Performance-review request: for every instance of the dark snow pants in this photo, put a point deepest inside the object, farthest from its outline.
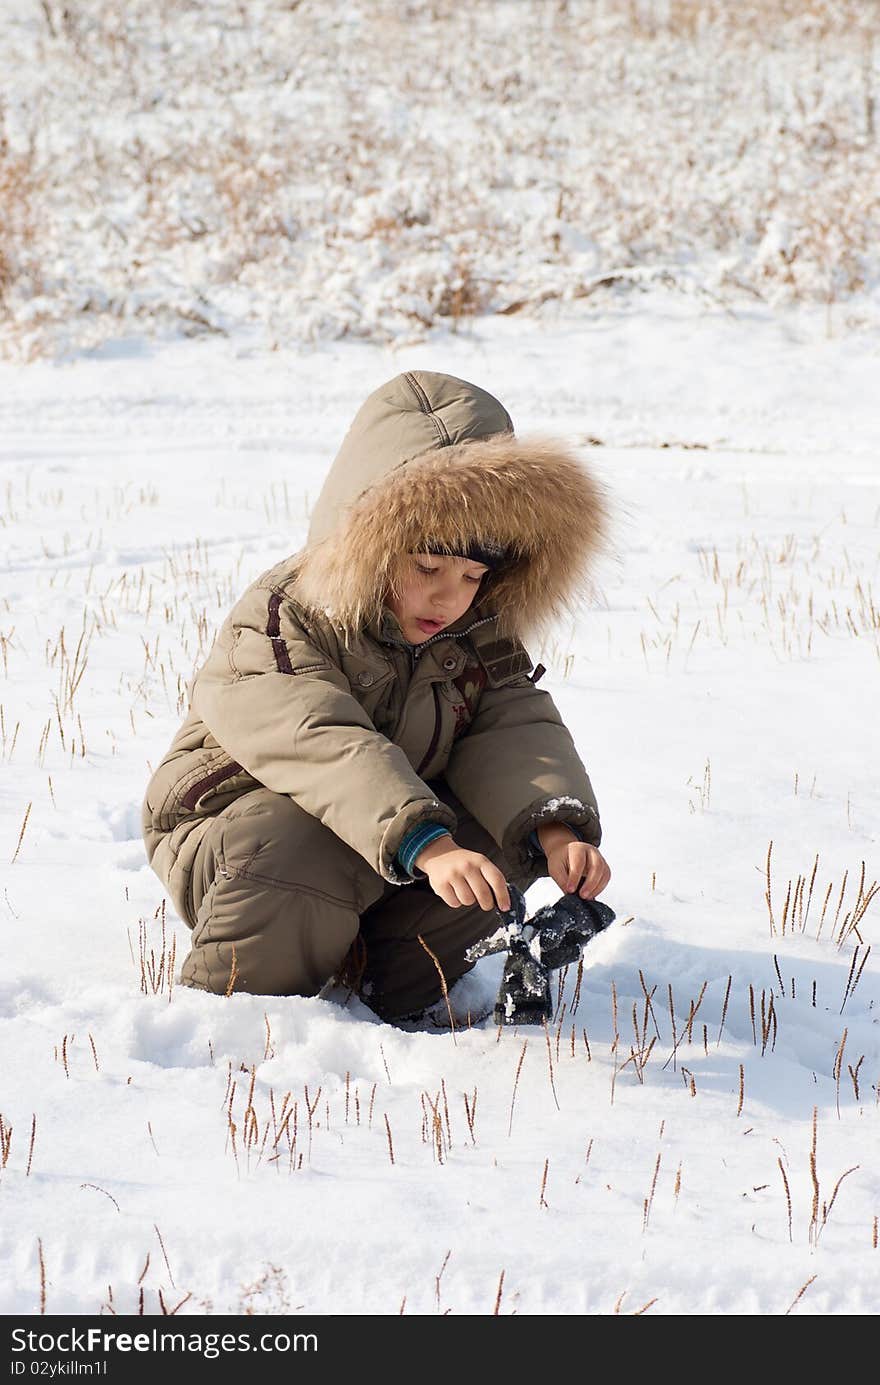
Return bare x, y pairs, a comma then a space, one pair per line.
299, 906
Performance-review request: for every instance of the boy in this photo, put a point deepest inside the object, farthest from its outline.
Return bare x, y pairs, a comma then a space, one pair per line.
366, 758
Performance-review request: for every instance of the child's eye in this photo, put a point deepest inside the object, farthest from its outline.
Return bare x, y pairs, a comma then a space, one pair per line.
428, 571
475, 580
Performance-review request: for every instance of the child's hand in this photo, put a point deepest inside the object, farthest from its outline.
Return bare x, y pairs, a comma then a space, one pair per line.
462, 877
569, 861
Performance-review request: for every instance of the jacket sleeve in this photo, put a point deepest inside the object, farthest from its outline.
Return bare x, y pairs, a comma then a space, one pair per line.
517, 767
278, 704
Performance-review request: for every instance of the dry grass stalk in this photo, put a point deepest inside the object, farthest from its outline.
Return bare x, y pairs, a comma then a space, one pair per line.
311, 1108
724, 1010
443, 986
692, 1014
854, 1075
439, 1277
836, 1071
446, 1112
470, 1111
550, 1065
30, 1157
42, 1276
165, 1255
615, 1041
233, 973
156, 969
97, 1189
787, 1194
542, 1202
5, 1142
801, 1291
742, 1089
687, 1032
778, 975
27, 813
640, 1054
170, 1312
799, 898
432, 1126
644, 1308
649, 1200
372, 1099
689, 1080
768, 893
390, 1144
497, 1309
576, 999
852, 981
649, 1008
768, 1022
515, 1082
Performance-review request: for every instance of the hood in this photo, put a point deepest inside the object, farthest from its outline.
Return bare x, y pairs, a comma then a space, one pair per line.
430, 459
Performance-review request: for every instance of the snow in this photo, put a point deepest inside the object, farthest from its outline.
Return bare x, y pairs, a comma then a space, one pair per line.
317, 171
722, 690
652, 230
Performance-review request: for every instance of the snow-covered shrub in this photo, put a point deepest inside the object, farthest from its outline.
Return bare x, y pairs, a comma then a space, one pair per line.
331, 169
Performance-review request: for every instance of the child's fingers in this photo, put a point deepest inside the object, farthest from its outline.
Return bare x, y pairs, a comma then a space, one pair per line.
498, 886
596, 880
577, 865
446, 892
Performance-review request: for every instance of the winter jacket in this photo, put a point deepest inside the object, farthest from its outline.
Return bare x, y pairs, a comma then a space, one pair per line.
310, 689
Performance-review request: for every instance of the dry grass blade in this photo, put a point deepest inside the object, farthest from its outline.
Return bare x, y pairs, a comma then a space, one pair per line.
443, 986
515, 1082
42, 1263
27, 813
233, 973
799, 1295
497, 1309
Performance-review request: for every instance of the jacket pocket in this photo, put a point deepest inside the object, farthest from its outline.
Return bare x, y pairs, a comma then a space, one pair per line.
369, 679
199, 782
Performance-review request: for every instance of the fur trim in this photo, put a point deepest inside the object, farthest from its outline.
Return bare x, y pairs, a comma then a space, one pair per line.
531, 496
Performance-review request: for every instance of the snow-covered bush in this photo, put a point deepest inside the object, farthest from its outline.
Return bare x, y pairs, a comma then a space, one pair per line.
327, 168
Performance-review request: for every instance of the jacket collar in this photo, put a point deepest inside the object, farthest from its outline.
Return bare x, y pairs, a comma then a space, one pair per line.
387, 629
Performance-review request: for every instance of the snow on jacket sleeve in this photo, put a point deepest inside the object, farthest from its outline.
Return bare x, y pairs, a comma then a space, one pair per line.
279, 705
517, 767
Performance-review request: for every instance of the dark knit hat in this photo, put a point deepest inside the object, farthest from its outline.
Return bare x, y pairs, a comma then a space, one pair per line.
486, 551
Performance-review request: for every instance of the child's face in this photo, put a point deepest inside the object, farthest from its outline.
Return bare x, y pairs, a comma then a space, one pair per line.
435, 591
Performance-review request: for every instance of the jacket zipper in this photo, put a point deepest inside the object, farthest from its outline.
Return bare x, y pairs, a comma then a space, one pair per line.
416, 652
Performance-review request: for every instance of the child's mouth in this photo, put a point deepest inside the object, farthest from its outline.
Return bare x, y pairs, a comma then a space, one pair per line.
429, 627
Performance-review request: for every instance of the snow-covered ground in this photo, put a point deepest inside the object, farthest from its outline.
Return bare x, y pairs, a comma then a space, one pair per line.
328, 168
697, 1130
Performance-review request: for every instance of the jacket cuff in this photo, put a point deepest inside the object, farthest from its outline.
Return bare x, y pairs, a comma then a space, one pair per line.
414, 842
535, 841
574, 812
428, 811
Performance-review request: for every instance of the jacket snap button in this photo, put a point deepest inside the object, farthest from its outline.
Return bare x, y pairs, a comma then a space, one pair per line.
365, 679
449, 664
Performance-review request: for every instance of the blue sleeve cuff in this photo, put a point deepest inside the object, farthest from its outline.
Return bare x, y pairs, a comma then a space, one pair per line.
416, 841
534, 841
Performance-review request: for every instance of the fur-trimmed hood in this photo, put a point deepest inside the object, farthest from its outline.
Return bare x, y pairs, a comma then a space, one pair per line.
432, 460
